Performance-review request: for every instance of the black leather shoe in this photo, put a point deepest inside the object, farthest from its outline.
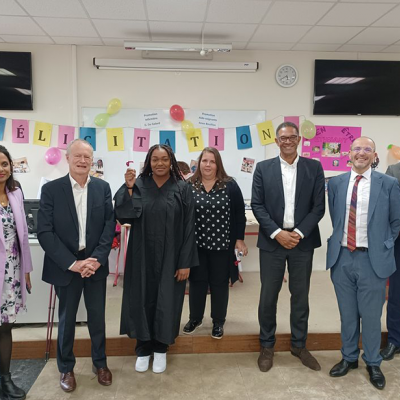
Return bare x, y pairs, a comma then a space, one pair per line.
10, 389
389, 351
217, 332
342, 368
376, 377
191, 326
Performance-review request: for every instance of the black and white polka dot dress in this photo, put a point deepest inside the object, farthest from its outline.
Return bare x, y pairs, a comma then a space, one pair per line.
212, 216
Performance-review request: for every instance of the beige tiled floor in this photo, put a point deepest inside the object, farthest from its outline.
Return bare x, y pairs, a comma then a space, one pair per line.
221, 376
242, 312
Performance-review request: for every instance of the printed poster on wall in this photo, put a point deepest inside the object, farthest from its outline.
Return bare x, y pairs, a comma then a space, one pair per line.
331, 146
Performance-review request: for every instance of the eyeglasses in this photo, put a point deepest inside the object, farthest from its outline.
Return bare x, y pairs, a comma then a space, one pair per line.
286, 139
367, 150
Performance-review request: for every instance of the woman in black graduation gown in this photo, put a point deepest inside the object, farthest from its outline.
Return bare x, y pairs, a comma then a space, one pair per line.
161, 249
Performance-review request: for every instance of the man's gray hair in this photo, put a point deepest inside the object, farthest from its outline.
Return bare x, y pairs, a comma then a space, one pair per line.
70, 144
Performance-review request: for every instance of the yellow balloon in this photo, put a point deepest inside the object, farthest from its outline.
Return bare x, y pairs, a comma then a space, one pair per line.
308, 129
114, 105
101, 120
187, 126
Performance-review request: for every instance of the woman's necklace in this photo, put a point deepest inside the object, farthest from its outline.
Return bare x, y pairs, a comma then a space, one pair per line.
4, 200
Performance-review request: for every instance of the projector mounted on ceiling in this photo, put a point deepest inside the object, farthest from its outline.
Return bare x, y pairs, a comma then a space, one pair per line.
202, 48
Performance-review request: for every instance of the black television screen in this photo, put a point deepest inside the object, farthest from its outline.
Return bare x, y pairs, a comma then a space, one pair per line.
346, 87
15, 81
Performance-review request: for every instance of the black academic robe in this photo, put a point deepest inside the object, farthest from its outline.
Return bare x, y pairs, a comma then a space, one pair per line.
162, 240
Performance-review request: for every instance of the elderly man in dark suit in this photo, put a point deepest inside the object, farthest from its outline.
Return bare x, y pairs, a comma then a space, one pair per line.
76, 229
393, 305
365, 214
288, 200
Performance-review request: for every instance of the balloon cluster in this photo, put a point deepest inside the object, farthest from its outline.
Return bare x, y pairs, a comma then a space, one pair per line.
394, 151
114, 105
178, 114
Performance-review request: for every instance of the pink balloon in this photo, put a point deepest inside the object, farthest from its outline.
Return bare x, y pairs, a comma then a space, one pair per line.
177, 113
53, 156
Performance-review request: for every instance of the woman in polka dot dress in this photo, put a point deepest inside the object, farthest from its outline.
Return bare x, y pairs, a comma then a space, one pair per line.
220, 224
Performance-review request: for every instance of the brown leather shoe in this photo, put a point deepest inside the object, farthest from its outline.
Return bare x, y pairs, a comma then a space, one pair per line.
67, 381
265, 360
104, 375
306, 358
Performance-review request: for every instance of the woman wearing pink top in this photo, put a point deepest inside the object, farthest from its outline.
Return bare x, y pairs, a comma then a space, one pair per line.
15, 266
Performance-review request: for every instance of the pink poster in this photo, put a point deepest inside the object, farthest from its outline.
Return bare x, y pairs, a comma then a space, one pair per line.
216, 138
331, 146
66, 134
20, 131
141, 140
294, 119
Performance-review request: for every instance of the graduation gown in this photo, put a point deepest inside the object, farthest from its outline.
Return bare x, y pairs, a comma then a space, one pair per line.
161, 241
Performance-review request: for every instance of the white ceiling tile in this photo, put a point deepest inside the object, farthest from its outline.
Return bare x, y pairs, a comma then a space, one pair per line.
10, 7
319, 1
391, 19
54, 8
316, 47
183, 31
370, 1
177, 10
377, 36
354, 14
113, 42
122, 29
19, 26
269, 46
364, 48
239, 45
240, 11
228, 32
27, 39
279, 33
80, 41
330, 34
297, 13
67, 26
392, 49
118, 9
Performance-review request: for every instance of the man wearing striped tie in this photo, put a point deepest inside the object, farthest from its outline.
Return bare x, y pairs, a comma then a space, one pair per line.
365, 215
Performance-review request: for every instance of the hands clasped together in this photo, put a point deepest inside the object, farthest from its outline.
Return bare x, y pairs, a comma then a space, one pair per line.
86, 268
288, 240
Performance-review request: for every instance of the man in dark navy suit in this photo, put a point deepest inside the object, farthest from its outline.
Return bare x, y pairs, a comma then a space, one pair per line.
288, 200
76, 229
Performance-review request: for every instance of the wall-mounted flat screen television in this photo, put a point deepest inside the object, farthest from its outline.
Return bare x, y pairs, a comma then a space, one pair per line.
15, 81
355, 87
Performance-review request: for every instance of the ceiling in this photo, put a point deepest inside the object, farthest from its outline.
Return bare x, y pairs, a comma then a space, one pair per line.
319, 25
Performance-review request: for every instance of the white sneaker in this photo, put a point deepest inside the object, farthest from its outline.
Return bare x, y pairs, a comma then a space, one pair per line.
159, 363
142, 364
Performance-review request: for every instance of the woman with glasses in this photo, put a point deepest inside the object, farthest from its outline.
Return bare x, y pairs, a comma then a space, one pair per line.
220, 226
161, 251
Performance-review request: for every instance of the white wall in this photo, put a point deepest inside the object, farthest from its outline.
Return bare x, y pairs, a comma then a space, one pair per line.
53, 68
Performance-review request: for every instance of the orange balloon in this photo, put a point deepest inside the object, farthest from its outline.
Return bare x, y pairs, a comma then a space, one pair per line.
394, 151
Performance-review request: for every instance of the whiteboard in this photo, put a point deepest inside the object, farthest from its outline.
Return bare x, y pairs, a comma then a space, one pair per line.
114, 161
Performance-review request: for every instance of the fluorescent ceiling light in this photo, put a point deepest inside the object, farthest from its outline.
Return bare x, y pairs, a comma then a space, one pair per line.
6, 72
174, 65
343, 81
24, 91
162, 46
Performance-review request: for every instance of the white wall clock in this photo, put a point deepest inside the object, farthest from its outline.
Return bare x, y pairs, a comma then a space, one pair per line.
286, 75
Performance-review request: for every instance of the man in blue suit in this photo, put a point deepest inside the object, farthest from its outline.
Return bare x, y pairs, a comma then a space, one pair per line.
365, 213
